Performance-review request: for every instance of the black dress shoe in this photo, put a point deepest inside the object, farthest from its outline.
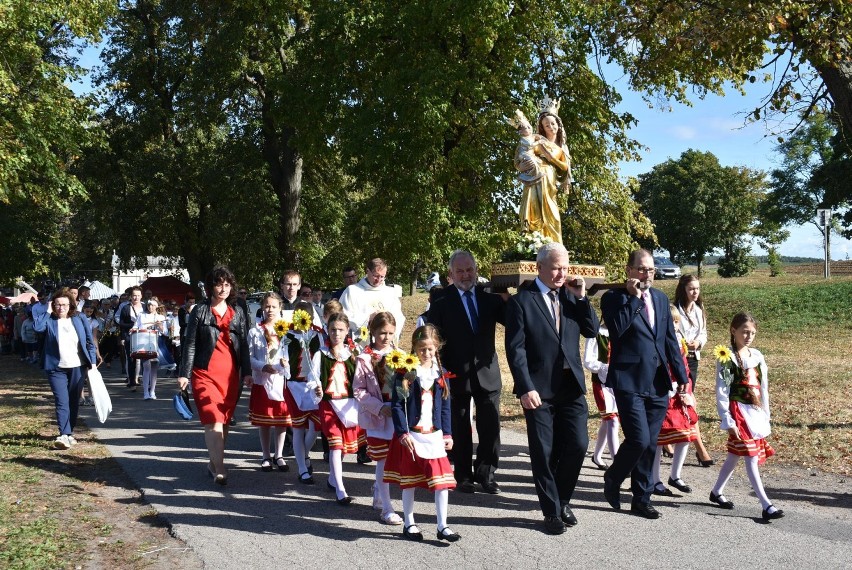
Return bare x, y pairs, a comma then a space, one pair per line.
721, 500
345, 501
680, 485
554, 525
612, 493
567, 516
412, 535
362, 457
661, 490
767, 516
466, 486
645, 510
448, 535
490, 487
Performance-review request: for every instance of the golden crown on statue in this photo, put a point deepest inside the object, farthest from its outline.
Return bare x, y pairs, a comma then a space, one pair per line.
548, 105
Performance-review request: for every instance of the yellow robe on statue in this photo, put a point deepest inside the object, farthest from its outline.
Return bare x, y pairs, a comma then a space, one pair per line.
539, 211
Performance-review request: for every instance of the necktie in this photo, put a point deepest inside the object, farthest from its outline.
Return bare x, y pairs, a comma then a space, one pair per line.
554, 304
471, 309
649, 308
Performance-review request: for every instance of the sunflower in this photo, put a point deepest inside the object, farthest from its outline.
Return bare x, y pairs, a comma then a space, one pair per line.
395, 359
684, 348
301, 321
363, 333
722, 353
281, 327
411, 362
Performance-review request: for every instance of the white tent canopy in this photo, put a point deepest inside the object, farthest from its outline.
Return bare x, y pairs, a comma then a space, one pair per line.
99, 290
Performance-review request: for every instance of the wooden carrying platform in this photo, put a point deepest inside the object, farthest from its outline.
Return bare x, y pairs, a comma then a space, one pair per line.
510, 275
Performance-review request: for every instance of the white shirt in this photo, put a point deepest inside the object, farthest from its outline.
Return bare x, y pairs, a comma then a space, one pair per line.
69, 342
693, 327
362, 300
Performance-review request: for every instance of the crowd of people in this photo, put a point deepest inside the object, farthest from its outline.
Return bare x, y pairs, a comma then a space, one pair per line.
334, 370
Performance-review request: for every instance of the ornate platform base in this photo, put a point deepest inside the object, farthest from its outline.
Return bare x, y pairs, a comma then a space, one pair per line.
511, 274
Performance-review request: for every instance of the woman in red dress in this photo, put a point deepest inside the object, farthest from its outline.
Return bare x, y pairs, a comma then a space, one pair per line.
215, 356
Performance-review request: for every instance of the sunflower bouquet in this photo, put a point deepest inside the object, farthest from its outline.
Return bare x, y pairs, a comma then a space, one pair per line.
302, 321
361, 339
724, 356
404, 364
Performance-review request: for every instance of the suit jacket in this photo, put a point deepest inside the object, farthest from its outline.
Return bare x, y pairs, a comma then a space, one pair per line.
636, 351
536, 352
86, 346
467, 355
406, 411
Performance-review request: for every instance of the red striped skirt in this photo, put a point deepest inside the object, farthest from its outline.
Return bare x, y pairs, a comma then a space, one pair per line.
266, 412
747, 446
338, 435
409, 471
298, 418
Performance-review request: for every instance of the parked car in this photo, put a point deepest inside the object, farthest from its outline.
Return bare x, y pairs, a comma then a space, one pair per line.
666, 269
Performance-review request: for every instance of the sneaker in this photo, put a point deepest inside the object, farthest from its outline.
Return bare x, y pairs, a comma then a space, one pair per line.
71, 440
62, 442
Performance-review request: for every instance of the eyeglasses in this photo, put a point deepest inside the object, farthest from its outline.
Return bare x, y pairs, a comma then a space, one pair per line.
645, 270
60, 305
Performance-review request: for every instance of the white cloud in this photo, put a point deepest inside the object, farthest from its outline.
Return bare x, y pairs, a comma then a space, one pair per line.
683, 132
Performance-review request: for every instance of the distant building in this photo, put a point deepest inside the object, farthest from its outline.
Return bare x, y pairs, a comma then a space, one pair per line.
155, 266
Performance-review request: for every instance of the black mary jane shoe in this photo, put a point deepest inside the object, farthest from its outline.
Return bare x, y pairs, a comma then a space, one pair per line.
281, 464
306, 478
448, 535
345, 501
662, 491
721, 500
600, 464
777, 514
680, 485
266, 464
410, 534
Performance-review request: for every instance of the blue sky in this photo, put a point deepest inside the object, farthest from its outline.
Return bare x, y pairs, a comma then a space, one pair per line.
717, 124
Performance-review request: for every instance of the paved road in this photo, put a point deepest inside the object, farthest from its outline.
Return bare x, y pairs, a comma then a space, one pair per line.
269, 520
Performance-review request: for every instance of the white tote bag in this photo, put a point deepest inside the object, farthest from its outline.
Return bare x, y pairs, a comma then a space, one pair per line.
103, 403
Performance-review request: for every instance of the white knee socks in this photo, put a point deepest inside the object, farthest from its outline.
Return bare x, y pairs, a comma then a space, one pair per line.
655, 469
335, 471
756, 484
612, 436
601, 442
382, 488
442, 499
678, 459
408, 506
725, 473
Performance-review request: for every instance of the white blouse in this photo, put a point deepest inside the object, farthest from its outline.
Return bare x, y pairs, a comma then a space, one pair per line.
69, 342
693, 327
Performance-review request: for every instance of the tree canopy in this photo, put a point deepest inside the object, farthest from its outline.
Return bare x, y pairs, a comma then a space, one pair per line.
697, 205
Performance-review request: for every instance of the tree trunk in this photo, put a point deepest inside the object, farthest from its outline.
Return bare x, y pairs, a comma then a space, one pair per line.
285, 176
838, 81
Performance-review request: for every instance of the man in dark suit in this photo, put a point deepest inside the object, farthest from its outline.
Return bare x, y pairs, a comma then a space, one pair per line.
544, 322
643, 351
467, 318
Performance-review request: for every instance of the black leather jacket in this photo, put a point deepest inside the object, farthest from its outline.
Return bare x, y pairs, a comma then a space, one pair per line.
202, 334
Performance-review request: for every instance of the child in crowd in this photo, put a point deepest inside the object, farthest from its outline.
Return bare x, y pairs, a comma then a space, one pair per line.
267, 405
421, 417
301, 347
154, 320
596, 360
742, 399
678, 426
29, 338
331, 376
373, 391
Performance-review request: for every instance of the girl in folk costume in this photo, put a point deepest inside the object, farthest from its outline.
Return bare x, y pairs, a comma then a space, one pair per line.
420, 402
268, 406
679, 426
596, 360
303, 341
372, 389
742, 399
154, 320
331, 375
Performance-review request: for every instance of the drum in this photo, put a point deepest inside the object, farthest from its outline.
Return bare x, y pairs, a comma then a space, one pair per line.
143, 344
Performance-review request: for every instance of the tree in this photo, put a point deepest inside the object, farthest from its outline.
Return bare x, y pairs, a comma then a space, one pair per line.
43, 125
697, 205
809, 167
669, 46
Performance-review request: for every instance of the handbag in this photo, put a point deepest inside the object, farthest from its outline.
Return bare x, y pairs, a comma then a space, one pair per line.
100, 396
182, 405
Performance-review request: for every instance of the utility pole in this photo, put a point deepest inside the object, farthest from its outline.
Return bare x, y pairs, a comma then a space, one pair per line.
824, 217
